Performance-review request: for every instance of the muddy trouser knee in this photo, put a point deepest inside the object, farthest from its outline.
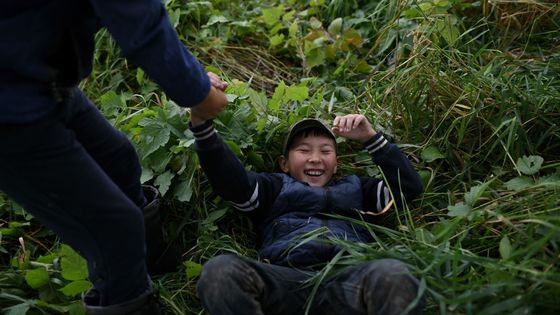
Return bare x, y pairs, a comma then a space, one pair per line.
79, 176
381, 287
231, 285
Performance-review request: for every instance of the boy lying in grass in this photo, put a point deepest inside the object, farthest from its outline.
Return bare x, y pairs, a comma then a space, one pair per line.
286, 205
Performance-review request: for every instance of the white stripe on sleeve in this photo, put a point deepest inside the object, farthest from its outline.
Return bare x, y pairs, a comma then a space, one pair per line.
251, 204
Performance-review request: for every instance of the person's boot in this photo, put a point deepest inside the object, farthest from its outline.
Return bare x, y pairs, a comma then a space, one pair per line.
146, 304
161, 257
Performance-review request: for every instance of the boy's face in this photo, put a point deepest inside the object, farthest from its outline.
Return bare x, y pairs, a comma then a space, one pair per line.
311, 159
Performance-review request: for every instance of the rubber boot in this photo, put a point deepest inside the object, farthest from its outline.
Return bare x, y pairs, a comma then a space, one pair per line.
146, 304
161, 257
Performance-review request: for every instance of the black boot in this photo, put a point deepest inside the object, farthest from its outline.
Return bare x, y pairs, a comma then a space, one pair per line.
160, 257
145, 304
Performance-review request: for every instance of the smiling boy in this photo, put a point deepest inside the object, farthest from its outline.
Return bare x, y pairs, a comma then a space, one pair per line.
304, 198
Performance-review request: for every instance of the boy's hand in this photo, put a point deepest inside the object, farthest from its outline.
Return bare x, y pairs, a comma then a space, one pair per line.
213, 104
353, 127
216, 82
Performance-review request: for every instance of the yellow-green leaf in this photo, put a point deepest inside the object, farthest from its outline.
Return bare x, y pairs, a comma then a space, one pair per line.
37, 278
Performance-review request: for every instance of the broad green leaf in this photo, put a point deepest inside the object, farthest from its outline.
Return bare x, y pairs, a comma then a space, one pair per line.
234, 147
163, 181
459, 210
276, 40
441, 3
351, 39
505, 247
277, 97
314, 58
448, 31
275, 29
74, 266
315, 24
472, 196
363, 67
387, 40
214, 216
140, 76
192, 269
19, 309
58, 309
159, 160
431, 154
154, 136
244, 23
2, 249
147, 174
344, 93
426, 7
552, 180
273, 15
529, 165
110, 102
258, 100
519, 183
37, 278
76, 309
424, 236
75, 287
256, 160
214, 19
296, 93
47, 259
183, 191
336, 26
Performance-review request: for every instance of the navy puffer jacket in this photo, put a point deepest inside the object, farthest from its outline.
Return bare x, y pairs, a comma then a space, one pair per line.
300, 209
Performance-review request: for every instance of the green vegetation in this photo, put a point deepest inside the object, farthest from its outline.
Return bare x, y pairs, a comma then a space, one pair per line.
469, 89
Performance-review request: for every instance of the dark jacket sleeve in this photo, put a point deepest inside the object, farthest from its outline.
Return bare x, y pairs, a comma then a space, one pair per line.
400, 182
146, 37
247, 191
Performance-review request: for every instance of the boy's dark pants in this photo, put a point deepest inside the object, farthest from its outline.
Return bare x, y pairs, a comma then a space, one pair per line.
79, 176
235, 285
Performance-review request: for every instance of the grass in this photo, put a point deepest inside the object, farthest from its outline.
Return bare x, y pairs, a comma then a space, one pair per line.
471, 93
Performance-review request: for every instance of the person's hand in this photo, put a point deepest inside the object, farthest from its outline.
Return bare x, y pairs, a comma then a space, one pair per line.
216, 82
214, 103
353, 127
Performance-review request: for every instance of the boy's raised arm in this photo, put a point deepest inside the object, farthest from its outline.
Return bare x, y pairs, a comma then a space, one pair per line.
247, 191
400, 179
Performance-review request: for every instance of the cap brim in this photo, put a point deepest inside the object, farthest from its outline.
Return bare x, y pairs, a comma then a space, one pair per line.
306, 124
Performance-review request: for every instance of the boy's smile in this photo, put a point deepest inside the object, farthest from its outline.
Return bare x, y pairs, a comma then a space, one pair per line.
311, 159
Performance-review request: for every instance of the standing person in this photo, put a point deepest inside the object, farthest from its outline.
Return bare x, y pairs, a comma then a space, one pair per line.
62, 161
286, 206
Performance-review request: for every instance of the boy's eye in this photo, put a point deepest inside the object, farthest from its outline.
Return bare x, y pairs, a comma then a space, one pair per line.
326, 151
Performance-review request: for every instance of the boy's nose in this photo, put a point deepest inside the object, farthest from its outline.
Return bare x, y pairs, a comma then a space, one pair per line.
314, 157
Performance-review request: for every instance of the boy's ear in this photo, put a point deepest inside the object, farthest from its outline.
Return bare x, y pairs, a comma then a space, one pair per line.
283, 163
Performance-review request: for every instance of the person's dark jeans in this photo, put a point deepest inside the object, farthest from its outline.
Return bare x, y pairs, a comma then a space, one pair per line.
236, 285
80, 177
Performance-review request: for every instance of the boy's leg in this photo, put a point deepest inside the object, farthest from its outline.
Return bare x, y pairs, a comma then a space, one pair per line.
381, 287
235, 285
46, 169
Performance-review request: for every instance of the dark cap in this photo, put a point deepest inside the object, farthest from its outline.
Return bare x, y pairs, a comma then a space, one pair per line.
304, 125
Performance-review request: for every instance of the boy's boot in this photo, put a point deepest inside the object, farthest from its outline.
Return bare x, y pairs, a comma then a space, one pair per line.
145, 304
160, 256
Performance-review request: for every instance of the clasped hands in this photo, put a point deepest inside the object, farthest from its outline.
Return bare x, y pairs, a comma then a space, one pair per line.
214, 103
